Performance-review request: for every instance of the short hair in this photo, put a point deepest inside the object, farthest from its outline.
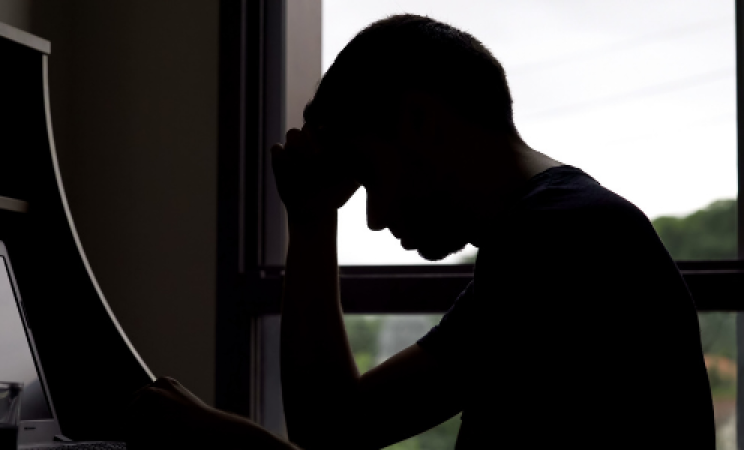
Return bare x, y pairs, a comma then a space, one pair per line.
406, 51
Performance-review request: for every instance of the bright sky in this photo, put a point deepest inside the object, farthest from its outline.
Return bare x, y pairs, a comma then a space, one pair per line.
640, 95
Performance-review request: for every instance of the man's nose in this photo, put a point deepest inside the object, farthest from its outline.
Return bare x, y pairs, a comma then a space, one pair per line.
375, 213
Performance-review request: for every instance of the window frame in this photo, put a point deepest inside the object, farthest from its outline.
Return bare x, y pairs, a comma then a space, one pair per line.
256, 44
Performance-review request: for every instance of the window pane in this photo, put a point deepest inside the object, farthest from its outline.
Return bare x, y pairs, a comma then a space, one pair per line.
374, 338
718, 335
640, 95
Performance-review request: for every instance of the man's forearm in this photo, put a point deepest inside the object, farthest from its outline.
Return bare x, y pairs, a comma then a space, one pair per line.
317, 367
235, 432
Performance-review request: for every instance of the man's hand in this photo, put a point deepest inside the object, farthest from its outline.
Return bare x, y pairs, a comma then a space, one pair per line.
165, 414
311, 180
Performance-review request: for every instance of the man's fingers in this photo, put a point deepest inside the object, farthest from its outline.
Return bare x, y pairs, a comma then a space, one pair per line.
165, 382
143, 394
277, 151
313, 136
146, 396
294, 138
139, 391
302, 142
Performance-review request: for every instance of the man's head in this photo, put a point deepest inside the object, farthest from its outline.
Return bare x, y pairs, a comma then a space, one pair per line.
402, 104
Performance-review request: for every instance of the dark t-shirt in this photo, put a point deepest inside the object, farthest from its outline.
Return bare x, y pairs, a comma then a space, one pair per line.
577, 330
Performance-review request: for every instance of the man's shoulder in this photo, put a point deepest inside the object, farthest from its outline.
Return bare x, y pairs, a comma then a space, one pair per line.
571, 204
572, 193
567, 217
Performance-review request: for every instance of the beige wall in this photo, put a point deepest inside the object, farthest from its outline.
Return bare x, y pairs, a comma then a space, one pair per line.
133, 87
15, 13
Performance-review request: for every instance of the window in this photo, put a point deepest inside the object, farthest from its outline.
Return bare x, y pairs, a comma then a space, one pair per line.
280, 46
374, 338
641, 97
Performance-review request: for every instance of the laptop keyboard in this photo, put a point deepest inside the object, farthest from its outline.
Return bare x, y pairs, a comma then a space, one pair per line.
86, 446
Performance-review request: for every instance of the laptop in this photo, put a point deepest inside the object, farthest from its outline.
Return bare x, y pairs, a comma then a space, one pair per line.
19, 361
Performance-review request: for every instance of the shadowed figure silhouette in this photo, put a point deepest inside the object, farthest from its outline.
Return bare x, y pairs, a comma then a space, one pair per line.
420, 114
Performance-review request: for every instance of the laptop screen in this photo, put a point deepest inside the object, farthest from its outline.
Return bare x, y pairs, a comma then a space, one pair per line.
16, 359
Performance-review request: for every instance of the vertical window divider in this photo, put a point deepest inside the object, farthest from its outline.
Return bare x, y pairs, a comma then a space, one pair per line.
739, 45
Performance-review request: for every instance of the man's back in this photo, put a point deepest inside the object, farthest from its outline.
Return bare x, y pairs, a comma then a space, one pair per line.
578, 328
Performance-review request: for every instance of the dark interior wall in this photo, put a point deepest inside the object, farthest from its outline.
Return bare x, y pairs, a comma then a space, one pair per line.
133, 88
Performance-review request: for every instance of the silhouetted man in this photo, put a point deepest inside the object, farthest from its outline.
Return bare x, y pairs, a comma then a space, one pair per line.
577, 330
